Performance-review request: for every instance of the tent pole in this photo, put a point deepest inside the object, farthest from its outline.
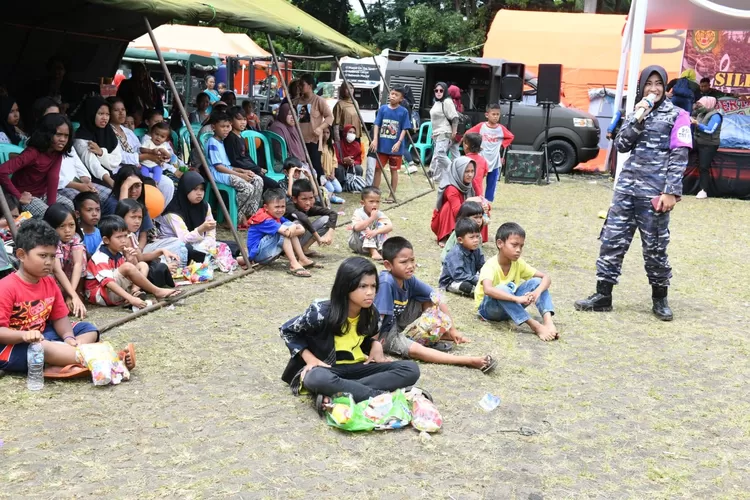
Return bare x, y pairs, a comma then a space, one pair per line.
364, 127
6, 213
196, 144
620, 89
294, 112
411, 141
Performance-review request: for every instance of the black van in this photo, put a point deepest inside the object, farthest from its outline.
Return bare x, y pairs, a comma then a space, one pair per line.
573, 134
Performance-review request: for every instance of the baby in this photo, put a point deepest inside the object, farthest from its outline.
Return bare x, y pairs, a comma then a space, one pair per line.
158, 141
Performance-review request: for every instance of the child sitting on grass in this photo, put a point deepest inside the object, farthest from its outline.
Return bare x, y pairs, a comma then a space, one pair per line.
329, 163
507, 285
293, 170
332, 345
469, 210
463, 263
302, 207
270, 234
70, 256
88, 212
401, 299
110, 281
370, 226
32, 308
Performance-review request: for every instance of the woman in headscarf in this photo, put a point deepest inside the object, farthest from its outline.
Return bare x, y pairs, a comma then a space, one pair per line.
706, 133
284, 126
140, 92
455, 189
657, 136
96, 142
9, 118
349, 154
345, 113
444, 118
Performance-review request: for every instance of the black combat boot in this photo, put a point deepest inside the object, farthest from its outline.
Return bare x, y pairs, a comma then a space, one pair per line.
601, 301
661, 306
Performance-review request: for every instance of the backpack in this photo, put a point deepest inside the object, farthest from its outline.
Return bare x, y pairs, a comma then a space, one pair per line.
682, 95
464, 123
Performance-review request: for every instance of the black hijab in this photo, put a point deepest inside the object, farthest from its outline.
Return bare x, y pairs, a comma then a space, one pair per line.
104, 137
194, 214
645, 74
6, 104
445, 91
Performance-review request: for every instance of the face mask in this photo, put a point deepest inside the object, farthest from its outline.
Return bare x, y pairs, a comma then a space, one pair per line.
350, 137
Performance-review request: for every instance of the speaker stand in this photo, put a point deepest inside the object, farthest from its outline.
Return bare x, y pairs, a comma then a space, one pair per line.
547, 106
505, 150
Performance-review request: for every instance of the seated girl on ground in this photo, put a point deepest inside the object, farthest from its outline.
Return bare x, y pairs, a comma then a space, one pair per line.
330, 167
332, 345
70, 256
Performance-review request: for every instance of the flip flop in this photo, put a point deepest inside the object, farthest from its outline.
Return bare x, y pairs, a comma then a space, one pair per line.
129, 350
175, 293
300, 273
314, 265
315, 255
442, 346
66, 372
389, 201
138, 294
489, 365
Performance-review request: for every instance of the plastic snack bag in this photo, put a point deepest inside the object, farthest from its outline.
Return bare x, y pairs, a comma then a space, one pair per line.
387, 411
198, 273
105, 365
224, 258
425, 415
431, 326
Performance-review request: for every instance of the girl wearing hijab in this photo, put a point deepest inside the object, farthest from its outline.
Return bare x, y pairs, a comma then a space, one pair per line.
96, 142
9, 118
707, 120
284, 126
444, 118
658, 138
188, 218
455, 188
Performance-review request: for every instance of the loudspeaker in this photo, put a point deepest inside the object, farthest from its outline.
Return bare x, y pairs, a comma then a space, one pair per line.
550, 78
511, 83
524, 167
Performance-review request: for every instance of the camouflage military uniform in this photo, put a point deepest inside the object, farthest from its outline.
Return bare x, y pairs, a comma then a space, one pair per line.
659, 153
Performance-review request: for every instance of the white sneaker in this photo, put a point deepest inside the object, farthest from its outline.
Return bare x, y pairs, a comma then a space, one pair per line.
412, 168
701, 195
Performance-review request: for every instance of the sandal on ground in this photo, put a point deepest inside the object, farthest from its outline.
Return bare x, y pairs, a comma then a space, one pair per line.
300, 273
128, 351
65, 372
138, 294
389, 201
315, 255
424, 392
442, 346
313, 265
489, 365
174, 294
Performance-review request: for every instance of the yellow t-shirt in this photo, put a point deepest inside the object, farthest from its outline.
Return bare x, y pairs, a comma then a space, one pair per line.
349, 345
519, 272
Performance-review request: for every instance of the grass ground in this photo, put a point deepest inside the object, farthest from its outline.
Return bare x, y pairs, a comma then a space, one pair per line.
623, 406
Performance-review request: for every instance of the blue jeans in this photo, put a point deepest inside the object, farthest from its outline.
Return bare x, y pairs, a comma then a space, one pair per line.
270, 247
492, 178
501, 310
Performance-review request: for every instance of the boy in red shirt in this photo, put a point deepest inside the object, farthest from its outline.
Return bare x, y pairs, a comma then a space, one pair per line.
32, 308
493, 135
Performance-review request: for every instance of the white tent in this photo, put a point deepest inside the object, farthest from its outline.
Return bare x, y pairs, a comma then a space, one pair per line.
647, 15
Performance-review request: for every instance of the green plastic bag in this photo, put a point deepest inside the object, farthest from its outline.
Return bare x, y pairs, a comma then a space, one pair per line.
387, 411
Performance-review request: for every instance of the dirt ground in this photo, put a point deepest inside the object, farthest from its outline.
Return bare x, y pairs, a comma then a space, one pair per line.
623, 406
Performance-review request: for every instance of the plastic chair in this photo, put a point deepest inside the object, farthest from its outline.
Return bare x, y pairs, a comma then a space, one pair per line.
140, 132
273, 136
9, 149
424, 141
184, 143
175, 139
76, 126
252, 137
231, 198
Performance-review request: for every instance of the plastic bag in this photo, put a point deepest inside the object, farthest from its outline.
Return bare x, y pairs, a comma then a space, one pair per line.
387, 411
224, 259
425, 415
198, 273
105, 365
432, 325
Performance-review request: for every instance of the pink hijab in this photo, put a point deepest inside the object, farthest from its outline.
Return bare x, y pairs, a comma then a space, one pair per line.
707, 102
455, 94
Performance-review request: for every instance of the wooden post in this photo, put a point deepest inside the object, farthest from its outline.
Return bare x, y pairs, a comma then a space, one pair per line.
6, 213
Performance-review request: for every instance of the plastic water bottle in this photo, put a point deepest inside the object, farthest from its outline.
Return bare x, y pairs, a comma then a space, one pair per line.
35, 361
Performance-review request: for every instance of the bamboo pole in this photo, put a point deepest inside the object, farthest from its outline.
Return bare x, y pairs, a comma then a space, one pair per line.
6, 213
196, 144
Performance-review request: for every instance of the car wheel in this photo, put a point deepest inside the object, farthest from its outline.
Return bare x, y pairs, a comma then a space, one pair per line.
562, 155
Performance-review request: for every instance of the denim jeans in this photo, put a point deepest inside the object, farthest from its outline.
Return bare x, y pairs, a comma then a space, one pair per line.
501, 310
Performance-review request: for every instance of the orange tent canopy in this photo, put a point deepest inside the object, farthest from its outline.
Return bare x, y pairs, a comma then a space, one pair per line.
201, 40
587, 45
249, 47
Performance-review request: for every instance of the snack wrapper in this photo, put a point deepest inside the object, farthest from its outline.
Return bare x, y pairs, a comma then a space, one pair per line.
387, 411
432, 325
105, 365
425, 415
198, 273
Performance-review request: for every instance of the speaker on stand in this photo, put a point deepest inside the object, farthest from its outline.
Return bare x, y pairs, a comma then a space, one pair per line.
512, 79
548, 95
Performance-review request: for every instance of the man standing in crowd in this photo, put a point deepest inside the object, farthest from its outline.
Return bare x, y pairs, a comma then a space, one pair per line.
314, 117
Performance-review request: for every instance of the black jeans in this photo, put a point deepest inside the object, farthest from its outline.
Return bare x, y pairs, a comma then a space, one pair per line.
705, 158
362, 381
312, 150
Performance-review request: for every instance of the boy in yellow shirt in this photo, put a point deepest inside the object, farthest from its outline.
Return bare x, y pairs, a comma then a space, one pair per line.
507, 285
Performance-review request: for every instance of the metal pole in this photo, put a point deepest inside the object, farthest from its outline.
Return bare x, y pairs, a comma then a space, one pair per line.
411, 141
6, 213
350, 89
293, 110
196, 144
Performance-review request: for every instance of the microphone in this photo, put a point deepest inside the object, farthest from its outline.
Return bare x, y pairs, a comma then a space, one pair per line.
641, 112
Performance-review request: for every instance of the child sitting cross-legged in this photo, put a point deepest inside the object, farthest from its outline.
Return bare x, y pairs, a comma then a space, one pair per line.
401, 299
110, 280
469, 210
32, 308
302, 207
463, 263
507, 285
332, 343
88, 211
370, 226
270, 234
70, 256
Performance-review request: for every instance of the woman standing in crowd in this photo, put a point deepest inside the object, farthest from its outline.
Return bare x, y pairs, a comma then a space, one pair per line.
345, 113
444, 118
211, 92
707, 131
139, 92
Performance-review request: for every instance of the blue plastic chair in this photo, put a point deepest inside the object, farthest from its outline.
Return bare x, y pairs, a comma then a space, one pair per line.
140, 132
273, 136
231, 198
175, 139
250, 136
9, 149
76, 126
424, 141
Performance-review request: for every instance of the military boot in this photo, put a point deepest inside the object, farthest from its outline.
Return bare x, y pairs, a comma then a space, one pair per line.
601, 301
661, 306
